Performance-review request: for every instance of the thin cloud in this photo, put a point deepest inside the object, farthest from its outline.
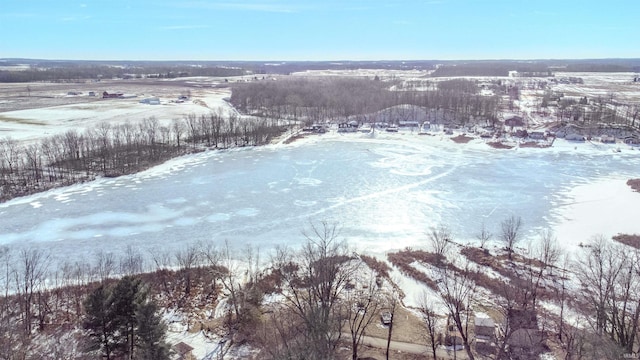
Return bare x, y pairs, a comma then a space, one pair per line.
73, 18
259, 6
184, 27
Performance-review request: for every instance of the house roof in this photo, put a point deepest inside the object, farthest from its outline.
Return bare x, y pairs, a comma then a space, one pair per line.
182, 348
527, 338
483, 321
514, 120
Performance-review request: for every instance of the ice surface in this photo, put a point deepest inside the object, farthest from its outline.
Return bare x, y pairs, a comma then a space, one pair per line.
385, 192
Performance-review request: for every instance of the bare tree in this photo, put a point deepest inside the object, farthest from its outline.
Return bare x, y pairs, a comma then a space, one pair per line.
440, 239
561, 296
457, 290
392, 302
6, 273
131, 262
544, 256
161, 263
430, 317
314, 285
161, 259
230, 279
609, 274
177, 126
507, 303
240, 278
362, 305
187, 259
484, 235
280, 334
30, 277
9, 329
511, 232
105, 264
548, 251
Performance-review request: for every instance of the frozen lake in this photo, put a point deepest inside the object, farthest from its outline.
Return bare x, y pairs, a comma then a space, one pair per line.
385, 193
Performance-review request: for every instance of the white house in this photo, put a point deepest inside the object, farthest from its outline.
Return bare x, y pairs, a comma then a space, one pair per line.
150, 101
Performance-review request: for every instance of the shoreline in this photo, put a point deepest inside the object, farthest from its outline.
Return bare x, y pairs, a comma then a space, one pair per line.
297, 137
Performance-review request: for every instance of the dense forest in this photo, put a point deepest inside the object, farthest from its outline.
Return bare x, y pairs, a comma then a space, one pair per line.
337, 99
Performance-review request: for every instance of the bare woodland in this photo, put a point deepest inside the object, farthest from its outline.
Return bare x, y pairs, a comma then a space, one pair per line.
330, 297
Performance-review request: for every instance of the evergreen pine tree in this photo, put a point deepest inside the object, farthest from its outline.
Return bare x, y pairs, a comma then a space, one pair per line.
125, 299
123, 323
99, 322
151, 334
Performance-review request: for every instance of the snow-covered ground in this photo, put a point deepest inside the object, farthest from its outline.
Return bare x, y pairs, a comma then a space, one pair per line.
34, 124
618, 85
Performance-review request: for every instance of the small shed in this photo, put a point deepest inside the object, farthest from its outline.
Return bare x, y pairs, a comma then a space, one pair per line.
526, 339
514, 121
574, 137
410, 124
351, 126
106, 95
150, 101
485, 328
537, 135
184, 351
608, 139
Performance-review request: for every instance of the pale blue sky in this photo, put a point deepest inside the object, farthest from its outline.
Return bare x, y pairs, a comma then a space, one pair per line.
319, 29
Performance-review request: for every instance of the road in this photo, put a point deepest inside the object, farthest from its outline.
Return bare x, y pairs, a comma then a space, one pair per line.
418, 349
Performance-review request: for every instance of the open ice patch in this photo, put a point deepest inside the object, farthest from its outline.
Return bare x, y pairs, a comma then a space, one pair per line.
307, 181
36, 204
218, 217
248, 212
605, 207
302, 203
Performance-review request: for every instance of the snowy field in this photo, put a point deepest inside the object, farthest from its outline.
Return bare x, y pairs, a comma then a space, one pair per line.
618, 85
52, 111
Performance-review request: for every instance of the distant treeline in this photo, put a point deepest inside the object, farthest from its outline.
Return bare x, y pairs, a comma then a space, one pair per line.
314, 100
499, 68
287, 68
204, 68
73, 72
113, 150
534, 68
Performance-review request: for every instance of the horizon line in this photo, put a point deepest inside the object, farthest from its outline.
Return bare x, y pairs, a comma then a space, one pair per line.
319, 61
